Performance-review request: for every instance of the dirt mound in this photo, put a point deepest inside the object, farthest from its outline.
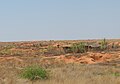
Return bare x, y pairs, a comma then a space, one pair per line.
90, 58
99, 57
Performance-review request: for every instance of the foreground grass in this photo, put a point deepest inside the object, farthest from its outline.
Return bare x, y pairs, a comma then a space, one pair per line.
66, 74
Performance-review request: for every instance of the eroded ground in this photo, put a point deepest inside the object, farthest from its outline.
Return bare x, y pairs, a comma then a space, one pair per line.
91, 67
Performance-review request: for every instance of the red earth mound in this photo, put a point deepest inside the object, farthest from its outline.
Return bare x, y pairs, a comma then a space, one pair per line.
91, 58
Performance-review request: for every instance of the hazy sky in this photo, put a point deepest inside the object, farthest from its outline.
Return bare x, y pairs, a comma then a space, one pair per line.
59, 19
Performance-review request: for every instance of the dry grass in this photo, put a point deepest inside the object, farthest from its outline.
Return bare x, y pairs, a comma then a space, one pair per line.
60, 73
65, 74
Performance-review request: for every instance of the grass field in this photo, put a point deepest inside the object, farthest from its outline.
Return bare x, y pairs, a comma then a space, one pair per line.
93, 67
65, 74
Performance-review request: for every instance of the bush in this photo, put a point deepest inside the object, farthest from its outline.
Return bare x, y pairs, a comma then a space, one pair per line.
116, 74
103, 44
34, 73
78, 48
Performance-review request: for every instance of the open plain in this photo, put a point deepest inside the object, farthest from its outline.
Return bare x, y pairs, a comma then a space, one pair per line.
87, 62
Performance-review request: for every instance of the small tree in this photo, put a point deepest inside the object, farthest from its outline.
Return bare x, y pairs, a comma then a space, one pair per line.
78, 48
103, 44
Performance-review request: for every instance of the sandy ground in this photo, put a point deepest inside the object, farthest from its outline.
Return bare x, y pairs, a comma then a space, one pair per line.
86, 68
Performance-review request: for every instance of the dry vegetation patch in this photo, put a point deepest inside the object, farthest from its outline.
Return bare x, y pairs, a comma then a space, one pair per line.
80, 66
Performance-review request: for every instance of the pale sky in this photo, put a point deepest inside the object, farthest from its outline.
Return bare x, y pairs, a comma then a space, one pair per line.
59, 19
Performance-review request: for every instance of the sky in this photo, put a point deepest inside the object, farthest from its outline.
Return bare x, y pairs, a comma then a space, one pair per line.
23, 20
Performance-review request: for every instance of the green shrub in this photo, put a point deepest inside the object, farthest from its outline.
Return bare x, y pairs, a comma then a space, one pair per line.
34, 73
116, 74
5, 52
78, 48
103, 44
